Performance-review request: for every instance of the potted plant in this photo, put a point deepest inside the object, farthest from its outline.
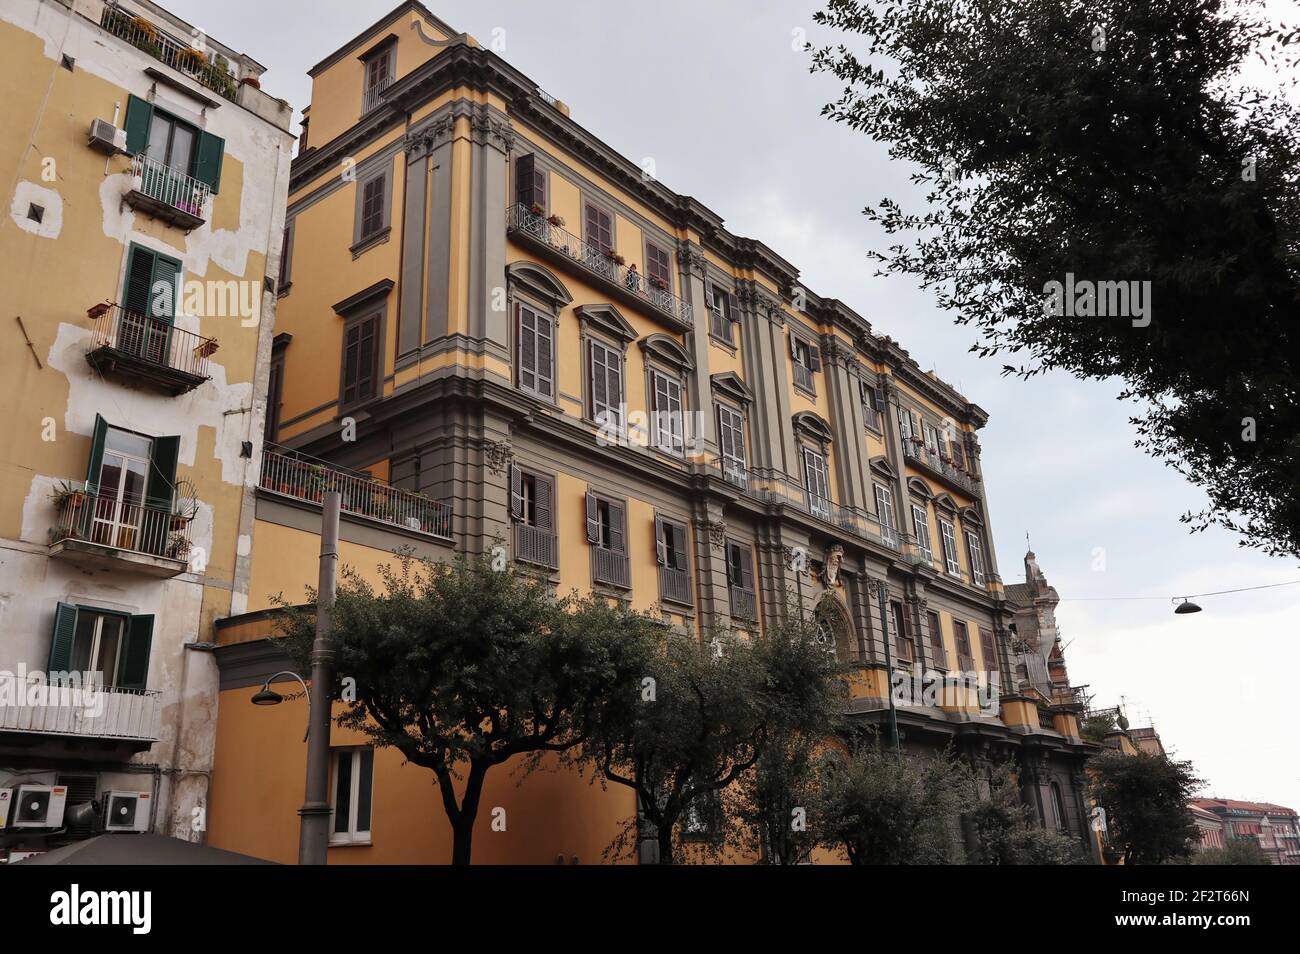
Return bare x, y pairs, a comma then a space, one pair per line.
536, 209
94, 311
614, 257
557, 221
188, 58
657, 282
179, 547
252, 81
315, 481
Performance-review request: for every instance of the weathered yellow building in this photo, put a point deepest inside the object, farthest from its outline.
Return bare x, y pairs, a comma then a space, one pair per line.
148, 177
519, 336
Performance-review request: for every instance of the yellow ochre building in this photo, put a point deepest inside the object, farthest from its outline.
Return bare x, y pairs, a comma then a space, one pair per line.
490, 325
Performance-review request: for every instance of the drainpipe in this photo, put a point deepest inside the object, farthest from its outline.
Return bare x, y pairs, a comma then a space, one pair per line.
313, 839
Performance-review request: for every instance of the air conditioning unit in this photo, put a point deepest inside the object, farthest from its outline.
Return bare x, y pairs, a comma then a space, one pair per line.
33, 806
126, 811
107, 138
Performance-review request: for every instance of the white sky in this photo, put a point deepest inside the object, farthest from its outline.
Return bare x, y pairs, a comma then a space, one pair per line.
715, 94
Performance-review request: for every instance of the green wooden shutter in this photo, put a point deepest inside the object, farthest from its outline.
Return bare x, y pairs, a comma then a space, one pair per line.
134, 671
65, 630
137, 293
96, 461
207, 159
162, 472
164, 287
139, 116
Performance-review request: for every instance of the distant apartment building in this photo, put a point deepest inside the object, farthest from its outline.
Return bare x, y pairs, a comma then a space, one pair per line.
149, 176
493, 329
1275, 829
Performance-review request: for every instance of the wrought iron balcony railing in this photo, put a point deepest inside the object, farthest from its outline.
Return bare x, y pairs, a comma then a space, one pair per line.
121, 523
675, 585
596, 261
534, 545
164, 191
934, 462
610, 567
144, 35
143, 340
744, 603
295, 475
373, 95
803, 377
92, 712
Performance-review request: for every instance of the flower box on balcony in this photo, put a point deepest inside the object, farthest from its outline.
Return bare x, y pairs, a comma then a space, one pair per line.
614, 257
252, 81
94, 312
657, 282
556, 221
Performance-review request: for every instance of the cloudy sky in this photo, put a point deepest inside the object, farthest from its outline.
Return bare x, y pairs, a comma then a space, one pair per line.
727, 110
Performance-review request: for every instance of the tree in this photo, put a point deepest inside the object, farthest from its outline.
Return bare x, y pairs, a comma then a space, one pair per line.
1004, 831
1094, 147
462, 668
1097, 726
1145, 798
1238, 851
883, 808
707, 712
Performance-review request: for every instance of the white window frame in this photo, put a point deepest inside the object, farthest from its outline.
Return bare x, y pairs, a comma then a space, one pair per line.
353, 836
734, 466
948, 536
612, 412
673, 439
817, 480
885, 513
921, 527
975, 553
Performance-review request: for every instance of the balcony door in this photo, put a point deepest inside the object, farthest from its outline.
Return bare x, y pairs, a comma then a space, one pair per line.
97, 646
149, 303
122, 481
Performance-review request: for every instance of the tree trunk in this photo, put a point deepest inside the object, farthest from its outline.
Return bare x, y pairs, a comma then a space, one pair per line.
462, 827
665, 836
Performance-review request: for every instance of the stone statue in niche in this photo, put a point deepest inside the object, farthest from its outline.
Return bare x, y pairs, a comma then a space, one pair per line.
831, 565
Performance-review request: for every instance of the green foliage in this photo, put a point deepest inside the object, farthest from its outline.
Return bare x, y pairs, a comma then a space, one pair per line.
884, 809
707, 712
462, 668
1003, 830
1112, 140
1238, 851
1145, 797
1095, 728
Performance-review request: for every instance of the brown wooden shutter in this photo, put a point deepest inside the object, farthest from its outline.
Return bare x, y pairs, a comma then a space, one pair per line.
542, 506
516, 493
733, 307
530, 182
936, 637
593, 521
527, 348
545, 355
989, 649
617, 535
679, 546
746, 568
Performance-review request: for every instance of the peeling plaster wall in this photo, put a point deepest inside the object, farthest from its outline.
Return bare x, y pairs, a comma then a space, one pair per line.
75, 257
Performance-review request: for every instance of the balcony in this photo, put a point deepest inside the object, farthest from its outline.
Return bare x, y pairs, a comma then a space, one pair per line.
145, 35
535, 545
610, 567
803, 378
552, 241
142, 348
290, 474
932, 461
744, 604
373, 95
675, 585
772, 487
131, 716
108, 532
167, 194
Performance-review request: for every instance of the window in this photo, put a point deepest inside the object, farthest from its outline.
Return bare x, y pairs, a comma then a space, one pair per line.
931, 440
956, 452
807, 359
351, 795
530, 184
670, 554
961, 638
600, 228
372, 206
379, 76
740, 580
949, 539
130, 480
722, 312
169, 143
286, 255
1058, 808
936, 639
532, 508
989, 649
112, 646
976, 556
873, 401
731, 441
150, 295
536, 349
274, 398
902, 632
885, 513
658, 267
814, 469
921, 527
606, 532
606, 382
360, 360
666, 405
